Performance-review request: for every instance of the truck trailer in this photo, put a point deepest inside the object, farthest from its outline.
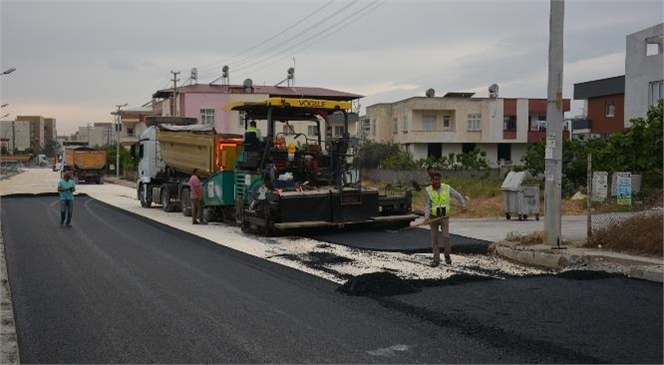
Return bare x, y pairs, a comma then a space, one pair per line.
85, 163
169, 153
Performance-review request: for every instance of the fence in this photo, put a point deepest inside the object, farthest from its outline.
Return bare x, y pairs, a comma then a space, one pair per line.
405, 176
623, 202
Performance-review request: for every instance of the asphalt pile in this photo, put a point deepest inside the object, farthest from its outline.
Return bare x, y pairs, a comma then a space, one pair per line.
377, 284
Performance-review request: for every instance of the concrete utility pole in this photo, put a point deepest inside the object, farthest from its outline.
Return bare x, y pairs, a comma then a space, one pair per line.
554, 126
175, 90
117, 146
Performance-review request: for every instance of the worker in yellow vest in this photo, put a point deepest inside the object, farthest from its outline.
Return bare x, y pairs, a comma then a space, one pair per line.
437, 215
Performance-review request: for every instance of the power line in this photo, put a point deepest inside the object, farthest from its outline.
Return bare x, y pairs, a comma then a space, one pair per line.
298, 22
319, 36
245, 60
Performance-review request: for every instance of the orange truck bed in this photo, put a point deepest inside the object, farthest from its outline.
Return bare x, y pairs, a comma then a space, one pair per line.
90, 160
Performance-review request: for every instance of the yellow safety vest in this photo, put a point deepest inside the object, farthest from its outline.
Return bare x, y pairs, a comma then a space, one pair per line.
252, 129
439, 199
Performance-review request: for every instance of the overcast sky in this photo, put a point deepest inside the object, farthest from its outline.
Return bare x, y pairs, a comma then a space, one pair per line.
76, 60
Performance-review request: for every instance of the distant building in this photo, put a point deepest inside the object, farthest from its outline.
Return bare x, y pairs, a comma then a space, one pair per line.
457, 123
132, 123
644, 71
604, 106
15, 132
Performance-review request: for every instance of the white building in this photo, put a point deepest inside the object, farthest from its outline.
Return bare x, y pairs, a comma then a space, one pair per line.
644, 71
456, 123
18, 132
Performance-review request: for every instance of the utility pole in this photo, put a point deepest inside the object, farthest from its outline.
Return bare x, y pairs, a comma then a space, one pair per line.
554, 115
118, 126
175, 90
13, 137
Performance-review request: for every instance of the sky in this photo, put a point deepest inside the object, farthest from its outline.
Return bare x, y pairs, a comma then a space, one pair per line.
76, 60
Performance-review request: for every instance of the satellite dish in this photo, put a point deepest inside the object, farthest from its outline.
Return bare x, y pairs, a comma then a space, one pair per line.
431, 93
493, 91
248, 85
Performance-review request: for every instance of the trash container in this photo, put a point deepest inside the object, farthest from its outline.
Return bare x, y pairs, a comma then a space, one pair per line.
520, 200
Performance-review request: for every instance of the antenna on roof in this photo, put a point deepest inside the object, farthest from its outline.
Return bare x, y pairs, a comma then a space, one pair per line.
248, 85
493, 91
225, 80
194, 76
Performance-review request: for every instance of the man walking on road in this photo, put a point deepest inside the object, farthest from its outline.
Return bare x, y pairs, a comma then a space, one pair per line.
437, 214
196, 195
66, 188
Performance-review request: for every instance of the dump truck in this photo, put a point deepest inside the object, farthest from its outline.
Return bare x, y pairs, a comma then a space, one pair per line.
85, 163
170, 150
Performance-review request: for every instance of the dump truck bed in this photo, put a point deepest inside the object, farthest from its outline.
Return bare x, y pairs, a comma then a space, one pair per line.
184, 150
90, 160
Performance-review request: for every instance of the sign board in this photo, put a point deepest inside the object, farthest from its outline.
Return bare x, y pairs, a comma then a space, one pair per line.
600, 187
624, 188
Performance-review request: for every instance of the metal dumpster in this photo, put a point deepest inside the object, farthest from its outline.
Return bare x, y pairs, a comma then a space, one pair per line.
520, 200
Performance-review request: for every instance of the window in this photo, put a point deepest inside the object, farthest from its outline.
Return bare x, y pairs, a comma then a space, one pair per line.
446, 121
654, 46
656, 92
339, 131
474, 122
312, 131
429, 122
509, 123
609, 108
207, 116
240, 119
405, 125
373, 127
395, 126
130, 132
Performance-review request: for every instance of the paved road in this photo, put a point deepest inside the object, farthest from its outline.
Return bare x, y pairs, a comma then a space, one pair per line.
147, 293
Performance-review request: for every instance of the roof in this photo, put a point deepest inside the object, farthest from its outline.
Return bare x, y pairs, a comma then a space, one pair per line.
453, 94
286, 91
603, 87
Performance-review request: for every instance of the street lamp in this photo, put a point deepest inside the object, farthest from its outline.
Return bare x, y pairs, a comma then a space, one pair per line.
7, 72
117, 147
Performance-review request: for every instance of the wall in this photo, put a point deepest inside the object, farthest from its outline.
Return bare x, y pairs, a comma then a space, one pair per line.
640, 70
599, 122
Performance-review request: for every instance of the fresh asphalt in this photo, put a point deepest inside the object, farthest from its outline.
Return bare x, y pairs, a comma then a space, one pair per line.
120, 288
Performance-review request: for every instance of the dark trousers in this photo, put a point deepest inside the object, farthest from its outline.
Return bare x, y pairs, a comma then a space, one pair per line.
196, 210
66, 210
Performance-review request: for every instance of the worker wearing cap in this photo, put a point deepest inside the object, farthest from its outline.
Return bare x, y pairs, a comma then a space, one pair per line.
436, 214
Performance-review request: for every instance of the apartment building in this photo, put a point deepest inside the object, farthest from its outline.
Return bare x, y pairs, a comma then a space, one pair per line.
132, 122
644, 71
16, 135
458, 122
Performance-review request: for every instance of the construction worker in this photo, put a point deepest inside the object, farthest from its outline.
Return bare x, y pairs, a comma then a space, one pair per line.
436, 214
252, 129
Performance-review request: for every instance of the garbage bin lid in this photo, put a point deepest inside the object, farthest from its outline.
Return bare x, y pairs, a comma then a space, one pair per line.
513, 180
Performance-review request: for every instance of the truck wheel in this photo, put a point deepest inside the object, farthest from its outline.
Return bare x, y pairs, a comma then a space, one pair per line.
209, 215
166, 201
145, 202
186, 202
508, 216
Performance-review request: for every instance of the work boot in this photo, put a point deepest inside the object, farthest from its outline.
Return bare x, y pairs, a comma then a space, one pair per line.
435, 262
448, 260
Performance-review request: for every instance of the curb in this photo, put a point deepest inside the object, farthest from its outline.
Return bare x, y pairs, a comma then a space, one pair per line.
8, 338
568, 259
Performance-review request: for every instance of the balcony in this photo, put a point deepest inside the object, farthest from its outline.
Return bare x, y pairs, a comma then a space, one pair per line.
536, 136
509, 134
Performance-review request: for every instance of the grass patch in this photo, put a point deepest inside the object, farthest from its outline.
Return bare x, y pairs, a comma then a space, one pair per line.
640, 234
